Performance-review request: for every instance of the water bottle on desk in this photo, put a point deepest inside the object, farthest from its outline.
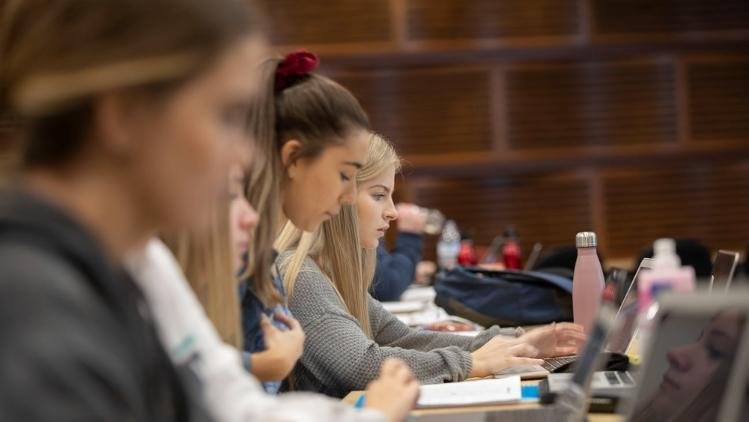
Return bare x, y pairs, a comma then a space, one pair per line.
587, 281
467, 254
448, 246
511, 250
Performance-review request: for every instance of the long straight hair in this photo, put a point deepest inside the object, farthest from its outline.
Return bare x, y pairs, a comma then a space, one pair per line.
336, 247
206, 259
315, 111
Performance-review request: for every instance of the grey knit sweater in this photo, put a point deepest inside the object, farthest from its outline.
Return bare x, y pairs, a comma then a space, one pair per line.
339, 358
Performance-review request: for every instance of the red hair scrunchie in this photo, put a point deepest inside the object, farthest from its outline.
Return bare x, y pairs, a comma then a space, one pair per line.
293, 67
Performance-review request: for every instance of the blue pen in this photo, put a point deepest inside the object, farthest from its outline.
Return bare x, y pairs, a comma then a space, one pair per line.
360, 402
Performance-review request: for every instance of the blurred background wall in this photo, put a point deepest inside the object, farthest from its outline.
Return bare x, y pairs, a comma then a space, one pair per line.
626, 117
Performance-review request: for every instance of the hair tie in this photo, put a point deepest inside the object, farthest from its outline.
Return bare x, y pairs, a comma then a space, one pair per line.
293, 67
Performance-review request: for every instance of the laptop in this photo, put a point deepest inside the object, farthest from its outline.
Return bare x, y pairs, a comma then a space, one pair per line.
694, 367
627, 322
601, 383
724, 267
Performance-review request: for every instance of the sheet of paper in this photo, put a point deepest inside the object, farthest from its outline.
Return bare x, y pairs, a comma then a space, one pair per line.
466, 333
468, 393
403, 307
418, 293
429, 315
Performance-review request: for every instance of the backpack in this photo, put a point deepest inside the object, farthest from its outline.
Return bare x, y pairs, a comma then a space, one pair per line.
504, 297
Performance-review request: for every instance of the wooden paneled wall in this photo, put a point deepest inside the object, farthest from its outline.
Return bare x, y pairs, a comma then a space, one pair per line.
627, 117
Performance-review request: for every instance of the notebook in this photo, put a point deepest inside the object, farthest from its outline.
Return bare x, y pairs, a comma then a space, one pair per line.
469, 393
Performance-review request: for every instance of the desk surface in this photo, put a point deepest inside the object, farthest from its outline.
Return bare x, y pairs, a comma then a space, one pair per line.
593, 417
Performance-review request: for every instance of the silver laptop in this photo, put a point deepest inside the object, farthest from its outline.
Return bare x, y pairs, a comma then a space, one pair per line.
724, 267
695, 362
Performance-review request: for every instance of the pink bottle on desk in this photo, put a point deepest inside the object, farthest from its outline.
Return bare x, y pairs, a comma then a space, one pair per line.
587, 281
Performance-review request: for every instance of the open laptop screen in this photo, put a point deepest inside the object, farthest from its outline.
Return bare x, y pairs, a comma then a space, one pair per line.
689, 364
724, 267
627, 314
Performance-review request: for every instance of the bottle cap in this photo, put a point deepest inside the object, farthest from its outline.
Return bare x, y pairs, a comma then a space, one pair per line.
586, 240
665, 254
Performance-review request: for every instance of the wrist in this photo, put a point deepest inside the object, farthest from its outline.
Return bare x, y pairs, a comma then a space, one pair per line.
270, 366
477, 367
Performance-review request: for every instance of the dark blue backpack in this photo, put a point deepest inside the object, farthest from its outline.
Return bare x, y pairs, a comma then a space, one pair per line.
504, 297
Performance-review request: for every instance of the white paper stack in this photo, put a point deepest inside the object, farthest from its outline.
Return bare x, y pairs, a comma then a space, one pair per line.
470, 393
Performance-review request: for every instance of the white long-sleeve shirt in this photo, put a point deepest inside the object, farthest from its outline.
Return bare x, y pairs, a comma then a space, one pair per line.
231, 393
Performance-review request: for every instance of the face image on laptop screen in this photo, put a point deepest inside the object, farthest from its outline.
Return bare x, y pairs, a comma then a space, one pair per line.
689, 365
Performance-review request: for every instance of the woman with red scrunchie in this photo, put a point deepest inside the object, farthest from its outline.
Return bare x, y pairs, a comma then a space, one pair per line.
311, 137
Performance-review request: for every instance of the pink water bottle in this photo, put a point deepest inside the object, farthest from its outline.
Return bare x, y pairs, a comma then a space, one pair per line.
587, 281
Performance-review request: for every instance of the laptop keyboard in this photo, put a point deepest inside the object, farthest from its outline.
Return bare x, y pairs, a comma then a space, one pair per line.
552, 364
612, 378
626, 378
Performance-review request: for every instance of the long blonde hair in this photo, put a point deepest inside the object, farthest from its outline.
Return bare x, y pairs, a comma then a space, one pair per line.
336, 248
206, 258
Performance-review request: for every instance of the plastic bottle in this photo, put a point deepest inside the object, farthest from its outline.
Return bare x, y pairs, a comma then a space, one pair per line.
511, 250
587, 281
448, 246
667, 274
467, 254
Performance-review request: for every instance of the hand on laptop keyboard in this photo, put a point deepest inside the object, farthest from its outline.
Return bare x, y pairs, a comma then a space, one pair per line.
497, 355
557, 339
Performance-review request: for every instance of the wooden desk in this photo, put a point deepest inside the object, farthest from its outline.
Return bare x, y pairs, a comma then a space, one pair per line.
593, 417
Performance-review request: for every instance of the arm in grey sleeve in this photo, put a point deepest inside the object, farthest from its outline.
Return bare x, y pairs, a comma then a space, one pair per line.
338, 353
388, 330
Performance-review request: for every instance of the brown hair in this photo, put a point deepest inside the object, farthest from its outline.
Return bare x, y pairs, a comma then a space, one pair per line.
206, 258
59, 55
315, 111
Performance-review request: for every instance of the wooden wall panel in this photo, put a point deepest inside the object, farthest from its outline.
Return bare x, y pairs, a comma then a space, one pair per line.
461, 19
427, 110
708, 202
591, 104
649, 16
545, 113
719, 100
307, 22
548, 209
